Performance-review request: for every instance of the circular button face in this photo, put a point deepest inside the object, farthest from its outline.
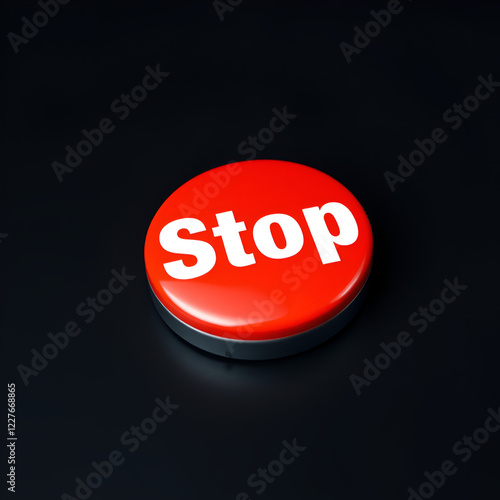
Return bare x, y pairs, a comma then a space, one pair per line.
258, 259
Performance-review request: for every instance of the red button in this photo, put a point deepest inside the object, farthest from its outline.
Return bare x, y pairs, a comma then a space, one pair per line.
258, 259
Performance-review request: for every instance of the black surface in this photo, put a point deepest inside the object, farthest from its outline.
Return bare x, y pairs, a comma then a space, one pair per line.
353, 120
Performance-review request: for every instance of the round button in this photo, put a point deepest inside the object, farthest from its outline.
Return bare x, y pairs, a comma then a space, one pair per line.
258, 259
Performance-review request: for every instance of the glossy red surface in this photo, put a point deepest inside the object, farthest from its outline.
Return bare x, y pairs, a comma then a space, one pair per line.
271, 298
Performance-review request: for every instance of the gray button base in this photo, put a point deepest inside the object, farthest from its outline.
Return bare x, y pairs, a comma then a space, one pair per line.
261, 349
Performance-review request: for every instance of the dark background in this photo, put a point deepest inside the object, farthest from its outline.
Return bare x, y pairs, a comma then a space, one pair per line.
353, 120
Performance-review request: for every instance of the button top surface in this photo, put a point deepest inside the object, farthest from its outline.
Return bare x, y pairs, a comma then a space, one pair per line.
273, 297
